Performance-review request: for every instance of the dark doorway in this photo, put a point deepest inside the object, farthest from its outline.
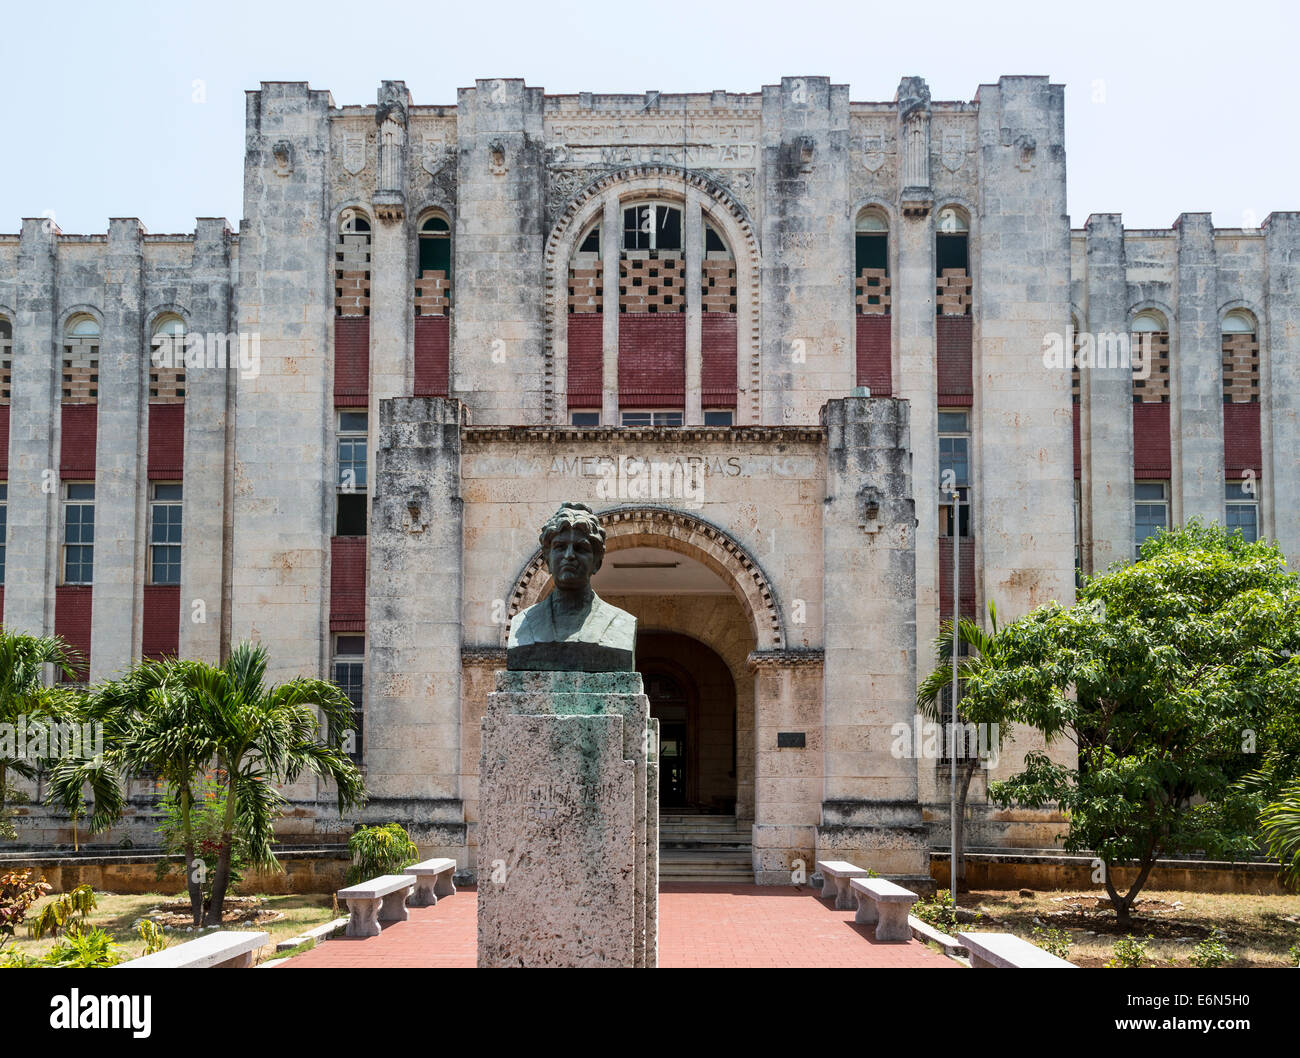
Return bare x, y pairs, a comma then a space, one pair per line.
692, 694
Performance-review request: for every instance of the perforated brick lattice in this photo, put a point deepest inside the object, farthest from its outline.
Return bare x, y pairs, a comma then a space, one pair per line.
952, 292
166, 385
432, 293
1076, 380
6, 374
652, 285
80, 373
586, 285
718, 285
1240, 368
1154, 345
352, 275
873, 292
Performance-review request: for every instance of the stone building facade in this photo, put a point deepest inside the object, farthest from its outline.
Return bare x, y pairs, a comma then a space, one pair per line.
755, 331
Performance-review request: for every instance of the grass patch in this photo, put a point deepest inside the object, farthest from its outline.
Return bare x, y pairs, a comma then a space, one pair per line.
1258, 930
117, 915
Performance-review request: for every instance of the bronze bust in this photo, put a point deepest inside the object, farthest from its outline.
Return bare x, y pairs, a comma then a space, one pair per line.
572, 629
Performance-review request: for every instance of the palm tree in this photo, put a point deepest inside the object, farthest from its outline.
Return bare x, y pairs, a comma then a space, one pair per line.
981, 657
23, 659
264, 736
1281, 822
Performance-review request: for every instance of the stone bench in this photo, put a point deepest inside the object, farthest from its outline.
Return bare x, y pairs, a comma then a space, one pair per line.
885, 904
1005, 951
381, 899
432, 880
836, 875
222, 949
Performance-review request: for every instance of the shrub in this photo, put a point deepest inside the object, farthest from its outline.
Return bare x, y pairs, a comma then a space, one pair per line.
380, 850
17, 894
1212, 951
151, 933
1054, 941
1129, 953
939, 911
207, 819
85, 949
58, 913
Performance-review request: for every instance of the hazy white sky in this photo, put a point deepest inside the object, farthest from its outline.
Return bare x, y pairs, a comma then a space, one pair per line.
1169, 107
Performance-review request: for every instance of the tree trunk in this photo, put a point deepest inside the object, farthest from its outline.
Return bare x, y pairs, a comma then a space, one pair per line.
221, 879
192, 885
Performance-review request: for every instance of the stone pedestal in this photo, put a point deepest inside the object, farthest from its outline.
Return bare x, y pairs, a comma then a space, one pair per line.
568, 871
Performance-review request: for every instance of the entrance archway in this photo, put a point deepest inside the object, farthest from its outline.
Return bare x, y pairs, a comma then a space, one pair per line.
693, 695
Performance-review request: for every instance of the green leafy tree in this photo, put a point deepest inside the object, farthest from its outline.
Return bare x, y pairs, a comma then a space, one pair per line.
1281, 822
985, 714
1176, 679
23, 695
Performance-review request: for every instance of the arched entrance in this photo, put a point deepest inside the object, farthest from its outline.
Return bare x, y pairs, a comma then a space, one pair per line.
693, 695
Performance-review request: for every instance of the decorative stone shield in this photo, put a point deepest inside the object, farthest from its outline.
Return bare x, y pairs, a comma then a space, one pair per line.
952, 151
873, 151
354, 152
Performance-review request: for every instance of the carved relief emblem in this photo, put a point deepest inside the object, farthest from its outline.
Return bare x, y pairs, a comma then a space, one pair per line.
354, 152
952, 150
434, 156
282, 157
873, 151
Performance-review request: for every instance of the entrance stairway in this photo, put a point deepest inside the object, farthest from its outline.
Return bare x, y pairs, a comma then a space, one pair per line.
700, 848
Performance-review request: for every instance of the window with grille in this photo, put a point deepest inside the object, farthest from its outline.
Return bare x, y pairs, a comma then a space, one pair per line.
1149, 349
954, 470
78, 533
652, 418
352, 449
1150, 510
165, 533
349, 675
1243, 507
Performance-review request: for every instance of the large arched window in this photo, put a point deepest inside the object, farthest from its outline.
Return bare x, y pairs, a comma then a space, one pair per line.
952, 262
871, 263
167, 360
433, 268
1240, 358
352, 265
587, 274
1149, 349
81, 360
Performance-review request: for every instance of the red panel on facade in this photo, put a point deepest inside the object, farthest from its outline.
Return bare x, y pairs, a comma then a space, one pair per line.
874, 369
718, 352
72, 608
4, 440
967, 584
1151, 455
2, 602
1078, 443
586, 359
166, 442
652, 359
77, 440
351, 361
162, 621
432, 356
348, 584
952, 343
1241, 445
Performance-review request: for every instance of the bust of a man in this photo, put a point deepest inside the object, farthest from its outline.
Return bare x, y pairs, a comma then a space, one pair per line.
572, 629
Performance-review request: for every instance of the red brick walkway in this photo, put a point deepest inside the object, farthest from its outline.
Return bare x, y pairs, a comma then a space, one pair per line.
699, 925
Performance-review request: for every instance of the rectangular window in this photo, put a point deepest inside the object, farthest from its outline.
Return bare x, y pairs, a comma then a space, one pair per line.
1150, 510
4, 527
1243, 508
78, 533
165, 534
652, 418
351, 509
718, 418
954, 470
349, 674
353, 438
584, 418
651, 227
